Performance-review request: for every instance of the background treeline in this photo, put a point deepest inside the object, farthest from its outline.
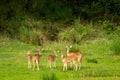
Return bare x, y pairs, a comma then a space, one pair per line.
38, 21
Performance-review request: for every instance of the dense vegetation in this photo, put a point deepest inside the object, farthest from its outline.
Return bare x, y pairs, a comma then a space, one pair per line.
27, 19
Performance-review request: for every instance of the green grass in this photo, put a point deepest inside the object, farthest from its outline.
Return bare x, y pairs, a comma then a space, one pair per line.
13, 62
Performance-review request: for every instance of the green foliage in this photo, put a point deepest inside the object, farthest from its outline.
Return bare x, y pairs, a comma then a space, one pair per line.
115, 46
93, 60
74, 48
60, 10
50, 76
37, 21
108, 26
75, 33
68, 35
31, 31
78, 33
32, 36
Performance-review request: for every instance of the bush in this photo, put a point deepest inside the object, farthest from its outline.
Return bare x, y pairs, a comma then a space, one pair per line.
52, 76
32, 36
92, 60
107, 26
115, 46
75, 33
68, 35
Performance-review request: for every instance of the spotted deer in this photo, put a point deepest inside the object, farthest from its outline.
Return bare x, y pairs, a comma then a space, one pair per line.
52, 59
69, 59
78, 54
33, 59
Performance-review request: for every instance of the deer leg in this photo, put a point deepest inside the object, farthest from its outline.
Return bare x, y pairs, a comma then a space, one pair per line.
33, 65
37, 63
29, 64
71, 64
50, 64
75, 65
54, 64
64, 65
80, 63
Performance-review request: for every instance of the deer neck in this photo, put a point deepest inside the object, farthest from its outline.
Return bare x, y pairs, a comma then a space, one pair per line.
68, 51
62, 56
56, 55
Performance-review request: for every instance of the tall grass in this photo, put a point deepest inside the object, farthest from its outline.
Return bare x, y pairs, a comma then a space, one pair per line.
115, 46
50, 76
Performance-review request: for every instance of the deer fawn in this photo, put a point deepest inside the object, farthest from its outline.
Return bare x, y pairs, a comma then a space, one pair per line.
69, 59
33, 60
78, 54
52, 59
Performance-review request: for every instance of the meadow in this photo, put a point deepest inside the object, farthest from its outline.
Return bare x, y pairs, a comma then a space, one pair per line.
99, 63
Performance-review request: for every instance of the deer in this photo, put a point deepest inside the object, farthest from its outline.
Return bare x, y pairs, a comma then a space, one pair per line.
78, 54
29, 58
33, 59
52, 59
69, 59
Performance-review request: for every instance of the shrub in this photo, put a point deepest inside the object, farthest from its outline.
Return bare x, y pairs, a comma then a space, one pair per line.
92, 60
52, 76
68, 35
75, 33
107, 26
34, 37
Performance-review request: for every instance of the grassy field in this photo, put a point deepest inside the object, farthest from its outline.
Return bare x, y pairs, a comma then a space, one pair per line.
98, 63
